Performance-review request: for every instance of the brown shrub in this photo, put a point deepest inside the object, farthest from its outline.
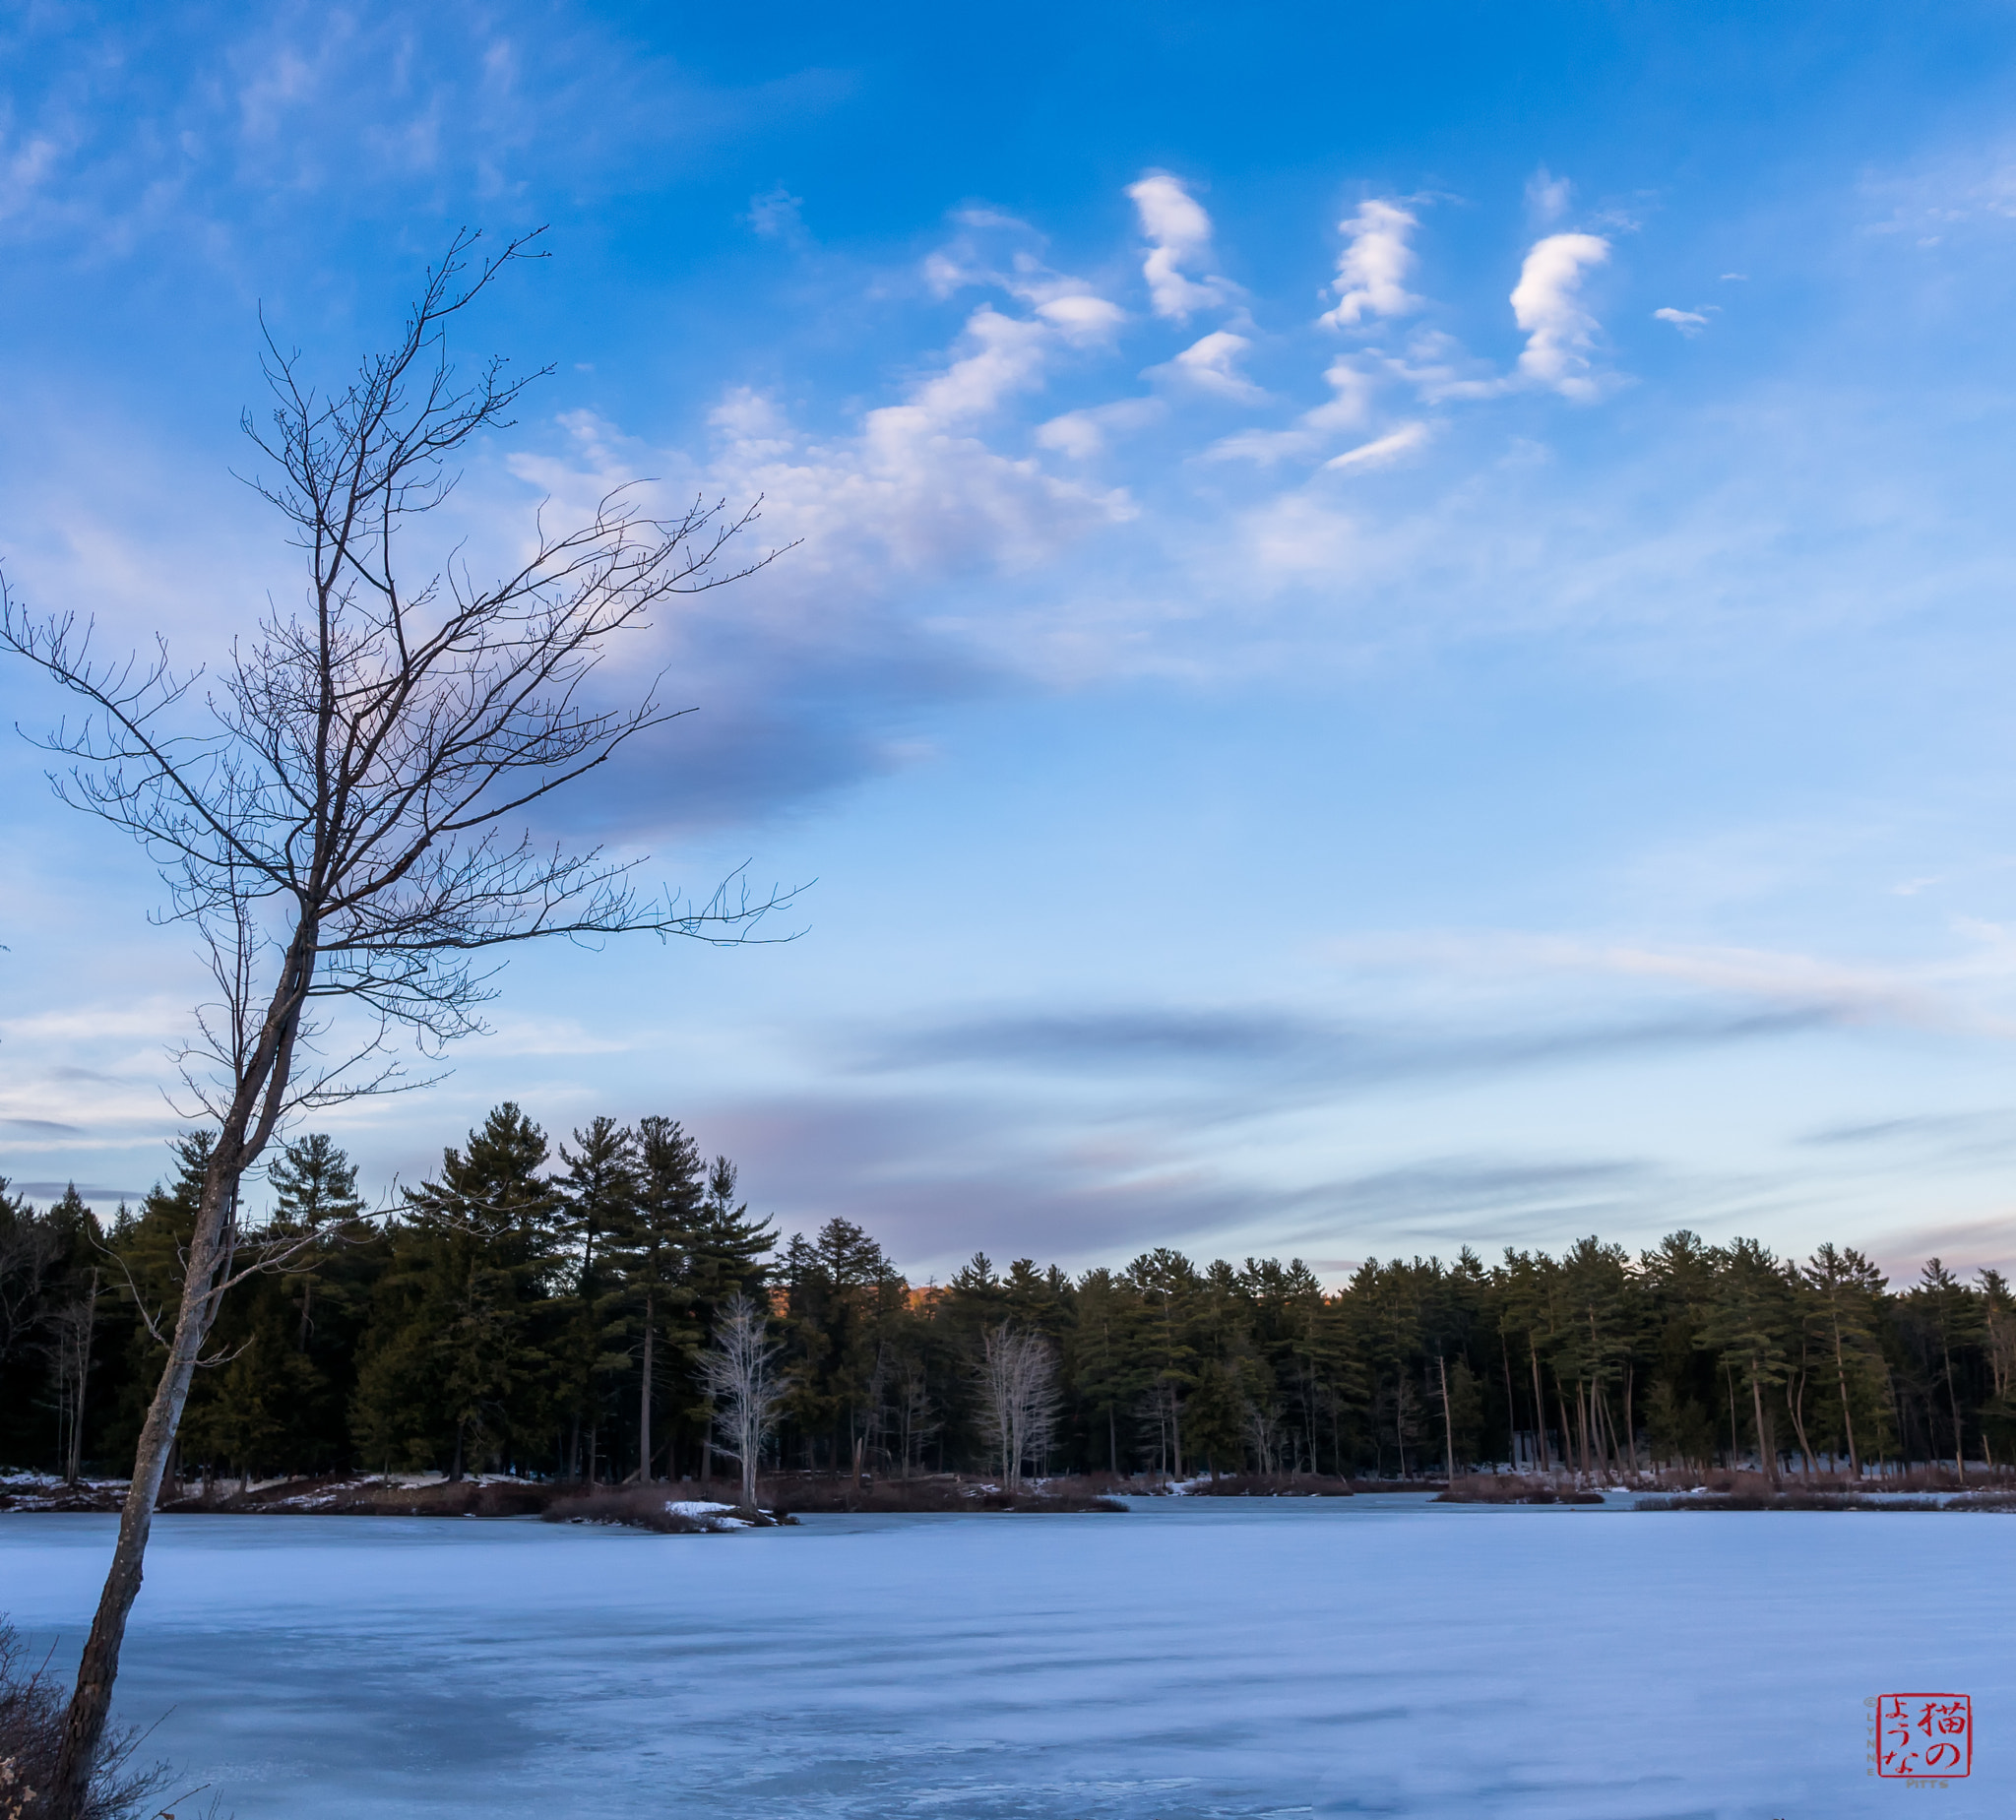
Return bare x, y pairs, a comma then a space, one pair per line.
1273, 1486
32, 1711
371, 1496
818, 1493
1514, 1488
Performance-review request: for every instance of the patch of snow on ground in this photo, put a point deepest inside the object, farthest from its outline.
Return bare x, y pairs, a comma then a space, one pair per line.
1224, 1658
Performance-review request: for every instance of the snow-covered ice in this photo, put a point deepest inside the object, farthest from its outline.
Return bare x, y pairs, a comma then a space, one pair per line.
1377, 1655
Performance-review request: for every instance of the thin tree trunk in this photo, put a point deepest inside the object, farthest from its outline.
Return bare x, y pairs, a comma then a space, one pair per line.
1511, 1402
1953, 1397
1608, 1446
1769, 1454
1112, 1443
643, 1397
1854, 1458
242, 1135
209, 1259
1448, 1424
1798, 1424
1540, 1407
90, 1318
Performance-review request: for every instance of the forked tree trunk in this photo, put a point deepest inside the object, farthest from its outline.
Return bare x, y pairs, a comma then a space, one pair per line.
1767, 1455
1809, 1461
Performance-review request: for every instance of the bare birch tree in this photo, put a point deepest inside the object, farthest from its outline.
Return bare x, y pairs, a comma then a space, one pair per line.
76, 1325
1018, 1386
739, 1374
340, 815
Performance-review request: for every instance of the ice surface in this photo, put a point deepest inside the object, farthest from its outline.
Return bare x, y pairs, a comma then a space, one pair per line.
1375, 1656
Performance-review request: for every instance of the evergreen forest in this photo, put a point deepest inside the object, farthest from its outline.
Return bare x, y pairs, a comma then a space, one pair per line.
545, 1310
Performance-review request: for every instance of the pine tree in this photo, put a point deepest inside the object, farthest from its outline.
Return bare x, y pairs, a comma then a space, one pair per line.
729, 1253
1168, 1284
315, 1190
1955, 1318
842, 1298
460, 1366
1750, 1330
656, 1245
599, 1187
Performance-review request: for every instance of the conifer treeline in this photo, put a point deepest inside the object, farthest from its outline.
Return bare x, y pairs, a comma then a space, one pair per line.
544, 1311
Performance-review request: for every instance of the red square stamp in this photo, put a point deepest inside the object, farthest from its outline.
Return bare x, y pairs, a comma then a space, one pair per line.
1925, 1735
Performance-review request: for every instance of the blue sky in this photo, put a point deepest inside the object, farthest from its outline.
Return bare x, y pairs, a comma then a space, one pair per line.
1402, 628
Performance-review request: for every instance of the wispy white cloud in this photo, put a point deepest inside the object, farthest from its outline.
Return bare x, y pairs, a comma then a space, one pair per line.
778, 214
1082, 434
1081, 316
919, 490
531, 1036
1211, 365
1941, 994
1373, 271
1382, 451
1688, 322
1179, 263
976, 256
1348, 409
1561, 334
1547, 197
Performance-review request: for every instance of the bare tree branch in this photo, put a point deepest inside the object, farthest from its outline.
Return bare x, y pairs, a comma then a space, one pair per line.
338, 811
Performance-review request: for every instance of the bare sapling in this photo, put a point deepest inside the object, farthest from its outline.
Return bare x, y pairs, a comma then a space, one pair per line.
740, 1375
340, 814
1018, 1399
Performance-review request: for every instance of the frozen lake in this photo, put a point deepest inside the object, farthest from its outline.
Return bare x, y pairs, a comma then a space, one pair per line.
1377, 1656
